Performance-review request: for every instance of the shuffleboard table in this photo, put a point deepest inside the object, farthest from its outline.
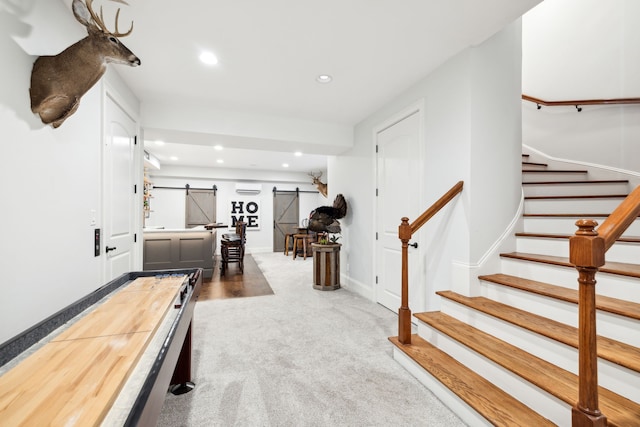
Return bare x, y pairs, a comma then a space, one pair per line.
112, 359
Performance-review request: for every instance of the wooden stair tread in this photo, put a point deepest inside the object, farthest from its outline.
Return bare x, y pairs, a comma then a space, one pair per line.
625, 239
593, 181
619, 268
562, 384
582, 171
498, 407
614, 351
603, 303
527, 163
590, 196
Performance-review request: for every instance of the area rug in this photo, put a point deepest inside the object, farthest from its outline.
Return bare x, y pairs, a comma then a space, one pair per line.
236, 284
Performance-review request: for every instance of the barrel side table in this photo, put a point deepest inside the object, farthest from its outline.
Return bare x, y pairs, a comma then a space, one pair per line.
326, 266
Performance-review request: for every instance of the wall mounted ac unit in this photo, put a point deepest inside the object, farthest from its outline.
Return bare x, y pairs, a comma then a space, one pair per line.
248, 188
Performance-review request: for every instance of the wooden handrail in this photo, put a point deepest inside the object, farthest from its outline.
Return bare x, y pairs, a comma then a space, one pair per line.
613, 101
405, 231
433, 209
587, 252
613, 227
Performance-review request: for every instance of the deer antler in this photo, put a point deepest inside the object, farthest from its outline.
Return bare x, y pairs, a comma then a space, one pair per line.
117, 33
99, 21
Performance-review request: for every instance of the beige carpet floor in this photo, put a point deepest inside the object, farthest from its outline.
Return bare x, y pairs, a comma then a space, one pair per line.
299, 357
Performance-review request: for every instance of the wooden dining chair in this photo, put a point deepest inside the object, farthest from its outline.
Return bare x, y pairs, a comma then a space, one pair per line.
232, 248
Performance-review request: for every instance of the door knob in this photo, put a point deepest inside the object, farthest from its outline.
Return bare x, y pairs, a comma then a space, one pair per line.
415, 245
108, 249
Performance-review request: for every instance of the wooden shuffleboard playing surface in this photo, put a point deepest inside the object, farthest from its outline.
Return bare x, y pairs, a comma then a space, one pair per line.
74, 378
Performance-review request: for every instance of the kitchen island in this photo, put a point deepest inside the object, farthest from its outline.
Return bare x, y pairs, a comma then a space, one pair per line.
165, 249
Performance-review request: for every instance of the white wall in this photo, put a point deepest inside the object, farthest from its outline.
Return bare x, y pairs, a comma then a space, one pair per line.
50, 181
495, 138
583, 49
472, 134
168, 205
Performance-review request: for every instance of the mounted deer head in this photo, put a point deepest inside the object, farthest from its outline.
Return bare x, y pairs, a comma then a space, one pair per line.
58, 82
322, 188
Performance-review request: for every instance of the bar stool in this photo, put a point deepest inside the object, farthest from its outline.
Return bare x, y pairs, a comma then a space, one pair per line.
304, 240
287, 239
288, 236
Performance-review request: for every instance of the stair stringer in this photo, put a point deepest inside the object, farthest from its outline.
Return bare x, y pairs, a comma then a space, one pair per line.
595, 171
464, 276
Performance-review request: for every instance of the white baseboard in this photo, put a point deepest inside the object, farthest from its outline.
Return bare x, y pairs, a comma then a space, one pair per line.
357, 287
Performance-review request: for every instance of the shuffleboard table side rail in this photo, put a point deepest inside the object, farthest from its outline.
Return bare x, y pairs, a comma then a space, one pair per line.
148, 403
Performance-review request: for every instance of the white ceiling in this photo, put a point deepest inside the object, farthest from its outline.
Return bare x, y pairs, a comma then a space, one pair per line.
270, 53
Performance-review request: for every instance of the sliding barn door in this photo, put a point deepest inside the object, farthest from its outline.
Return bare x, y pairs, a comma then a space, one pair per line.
285, 216
200, 208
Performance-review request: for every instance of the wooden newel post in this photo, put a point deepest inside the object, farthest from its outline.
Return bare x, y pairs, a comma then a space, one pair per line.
404, 313
586, 252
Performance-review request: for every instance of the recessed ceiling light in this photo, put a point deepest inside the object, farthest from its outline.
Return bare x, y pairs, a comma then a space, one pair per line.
324, 78
218, 147
285, 165
219, 161
298, 153
174, 158
208, 58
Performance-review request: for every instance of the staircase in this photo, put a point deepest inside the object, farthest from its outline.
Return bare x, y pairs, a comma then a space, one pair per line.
509, 357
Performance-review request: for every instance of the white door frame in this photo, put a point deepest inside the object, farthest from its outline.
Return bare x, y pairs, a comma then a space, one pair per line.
419, 108
110, 91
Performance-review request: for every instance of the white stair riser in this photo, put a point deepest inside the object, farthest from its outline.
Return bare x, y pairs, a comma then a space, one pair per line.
567, 225
560, 311
619, 252
574, 189
550, 176
538, 400
624, 381
608, 324
557, 206
453, 402
611, 285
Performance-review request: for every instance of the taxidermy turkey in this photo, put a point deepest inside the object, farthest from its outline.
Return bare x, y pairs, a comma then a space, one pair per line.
325, 218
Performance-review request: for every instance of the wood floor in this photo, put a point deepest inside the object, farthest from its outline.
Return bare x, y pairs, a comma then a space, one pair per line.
235, 284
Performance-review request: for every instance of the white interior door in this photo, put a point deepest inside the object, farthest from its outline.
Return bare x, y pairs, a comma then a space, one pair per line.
398, 182
119, 180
